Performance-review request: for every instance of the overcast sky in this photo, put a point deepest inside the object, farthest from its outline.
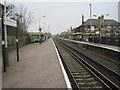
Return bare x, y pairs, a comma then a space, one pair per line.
60, 16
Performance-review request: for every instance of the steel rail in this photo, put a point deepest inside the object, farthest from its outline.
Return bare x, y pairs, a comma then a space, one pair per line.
106, 80
71, 77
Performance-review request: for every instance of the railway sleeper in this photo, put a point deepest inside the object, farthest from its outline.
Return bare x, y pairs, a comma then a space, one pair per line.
82, 76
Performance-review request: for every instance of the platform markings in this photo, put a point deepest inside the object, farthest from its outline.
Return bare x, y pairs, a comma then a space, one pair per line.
63, 69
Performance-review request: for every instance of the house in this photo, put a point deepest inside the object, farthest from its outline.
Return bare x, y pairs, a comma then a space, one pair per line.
104, 26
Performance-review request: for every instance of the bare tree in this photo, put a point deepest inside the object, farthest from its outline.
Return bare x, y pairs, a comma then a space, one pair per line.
27, 16
22, 14
11, 11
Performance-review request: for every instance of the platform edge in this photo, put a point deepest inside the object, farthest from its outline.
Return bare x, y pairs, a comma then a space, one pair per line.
63, 69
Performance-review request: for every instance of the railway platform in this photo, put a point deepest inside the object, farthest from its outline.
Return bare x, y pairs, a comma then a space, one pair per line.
39, 67
104, 52
109, 47
74, 54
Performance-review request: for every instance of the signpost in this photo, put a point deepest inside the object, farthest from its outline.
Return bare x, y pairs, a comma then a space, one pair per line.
5, 55
11, 22
17, 43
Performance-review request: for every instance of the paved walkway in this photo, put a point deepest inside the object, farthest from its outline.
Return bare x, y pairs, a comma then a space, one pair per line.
38, 68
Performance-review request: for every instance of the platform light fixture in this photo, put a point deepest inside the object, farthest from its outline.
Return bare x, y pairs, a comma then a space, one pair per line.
40, 28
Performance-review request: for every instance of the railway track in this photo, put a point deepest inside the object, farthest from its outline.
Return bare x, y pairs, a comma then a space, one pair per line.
83, 74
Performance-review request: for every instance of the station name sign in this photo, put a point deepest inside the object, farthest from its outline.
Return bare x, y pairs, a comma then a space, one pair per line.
11, 22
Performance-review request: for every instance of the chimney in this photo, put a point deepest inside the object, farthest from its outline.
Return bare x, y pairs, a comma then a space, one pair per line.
82, 19
102, 17
99, 17
71, 28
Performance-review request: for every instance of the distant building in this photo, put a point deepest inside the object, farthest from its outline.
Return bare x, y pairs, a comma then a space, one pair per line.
107, 26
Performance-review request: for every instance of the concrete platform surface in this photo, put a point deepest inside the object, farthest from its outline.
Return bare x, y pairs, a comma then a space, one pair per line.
111, 47
38, 68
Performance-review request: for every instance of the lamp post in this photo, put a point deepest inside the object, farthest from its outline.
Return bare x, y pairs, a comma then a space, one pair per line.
40, 23
90, 19
3, 43
17, 39
101, 19
40, 28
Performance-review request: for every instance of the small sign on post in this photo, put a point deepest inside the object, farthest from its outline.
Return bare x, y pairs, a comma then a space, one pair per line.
92, 28
11, 22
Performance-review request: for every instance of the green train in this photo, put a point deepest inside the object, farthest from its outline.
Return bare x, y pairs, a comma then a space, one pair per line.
32, 39
37, 37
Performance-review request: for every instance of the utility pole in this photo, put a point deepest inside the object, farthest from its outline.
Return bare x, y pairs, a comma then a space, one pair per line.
39, 31
90, 19
40, 28
100, 28
90, 11
3, 45
5, 35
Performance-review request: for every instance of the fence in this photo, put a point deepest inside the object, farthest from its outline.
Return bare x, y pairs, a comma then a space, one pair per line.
12, 41
106, 40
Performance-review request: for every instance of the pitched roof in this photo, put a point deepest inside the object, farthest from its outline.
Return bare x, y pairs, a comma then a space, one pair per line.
97, 22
